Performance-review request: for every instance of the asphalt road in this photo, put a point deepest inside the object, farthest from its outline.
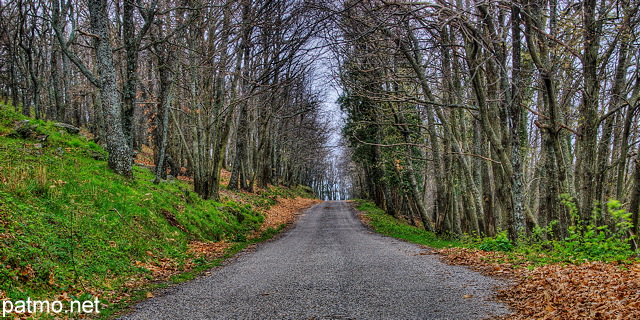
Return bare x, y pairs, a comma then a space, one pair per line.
329, 266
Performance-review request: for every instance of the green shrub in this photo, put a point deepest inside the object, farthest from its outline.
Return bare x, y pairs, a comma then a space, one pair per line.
602, 243
500, 242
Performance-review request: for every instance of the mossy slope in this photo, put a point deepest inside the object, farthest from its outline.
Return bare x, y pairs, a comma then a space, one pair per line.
68, 225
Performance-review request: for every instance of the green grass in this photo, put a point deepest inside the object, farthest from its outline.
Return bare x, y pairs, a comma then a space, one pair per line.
390, 226
70, 225
202, 265
585, 243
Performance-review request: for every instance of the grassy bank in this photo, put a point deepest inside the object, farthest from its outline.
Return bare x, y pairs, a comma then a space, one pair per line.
393, 227
71, 229
591, 274
583, 243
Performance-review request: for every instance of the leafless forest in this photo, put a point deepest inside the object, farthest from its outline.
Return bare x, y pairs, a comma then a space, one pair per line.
465, 116
478, 116
205, 84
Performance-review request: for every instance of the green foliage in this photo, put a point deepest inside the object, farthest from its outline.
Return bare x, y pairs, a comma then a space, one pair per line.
68, 223
270, 231
390, 226
8, 118
584, 241
369, 207
500, 242
587, 241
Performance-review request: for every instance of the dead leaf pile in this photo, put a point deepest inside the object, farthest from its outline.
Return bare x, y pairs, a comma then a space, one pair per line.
210, 250
592, 290
162, 268
145, 156
488, 262
225, 175
285, 212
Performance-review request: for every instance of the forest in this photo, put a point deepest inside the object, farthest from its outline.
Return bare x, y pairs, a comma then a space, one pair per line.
471, 117
205, 85
485, 116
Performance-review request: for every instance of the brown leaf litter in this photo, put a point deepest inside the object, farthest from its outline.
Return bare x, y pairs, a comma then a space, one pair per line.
285, 212
591, 290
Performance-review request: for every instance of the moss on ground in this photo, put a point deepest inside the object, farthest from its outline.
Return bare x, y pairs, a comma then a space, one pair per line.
69, 226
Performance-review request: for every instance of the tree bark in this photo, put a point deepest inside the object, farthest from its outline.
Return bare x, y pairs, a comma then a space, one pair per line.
634, 206
518, 130
120, 157
586, 144
166, 96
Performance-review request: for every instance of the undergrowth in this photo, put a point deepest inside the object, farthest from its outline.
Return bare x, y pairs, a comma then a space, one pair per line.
585, 241
390, 226
69, 226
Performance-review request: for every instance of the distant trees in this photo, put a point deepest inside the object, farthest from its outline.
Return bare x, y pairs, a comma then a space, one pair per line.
486, 115
204, 84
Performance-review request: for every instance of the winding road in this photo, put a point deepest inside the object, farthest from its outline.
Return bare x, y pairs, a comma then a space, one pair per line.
330, 266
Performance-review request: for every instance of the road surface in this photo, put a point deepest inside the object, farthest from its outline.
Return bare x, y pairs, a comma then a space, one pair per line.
329, 266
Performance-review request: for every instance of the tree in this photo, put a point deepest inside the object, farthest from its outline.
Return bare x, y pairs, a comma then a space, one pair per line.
518, 110
120, 155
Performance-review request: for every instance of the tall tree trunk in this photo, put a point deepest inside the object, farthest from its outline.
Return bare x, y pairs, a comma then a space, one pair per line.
166, 96
634, 206
604, 147
120, 157
238, 172
518, 130
131, 71
553, 182
238, 178
586, 144
59, 87
132, 50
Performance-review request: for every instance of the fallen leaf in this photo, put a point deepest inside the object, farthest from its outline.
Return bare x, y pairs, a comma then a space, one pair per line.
559, 291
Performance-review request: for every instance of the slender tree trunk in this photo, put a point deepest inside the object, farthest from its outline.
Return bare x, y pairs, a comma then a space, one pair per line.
132, 50
554, 175
238, 177
57, 81
624, 148
166, 96
131, 71
604, 147
634, 206
518, 130
586, 144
